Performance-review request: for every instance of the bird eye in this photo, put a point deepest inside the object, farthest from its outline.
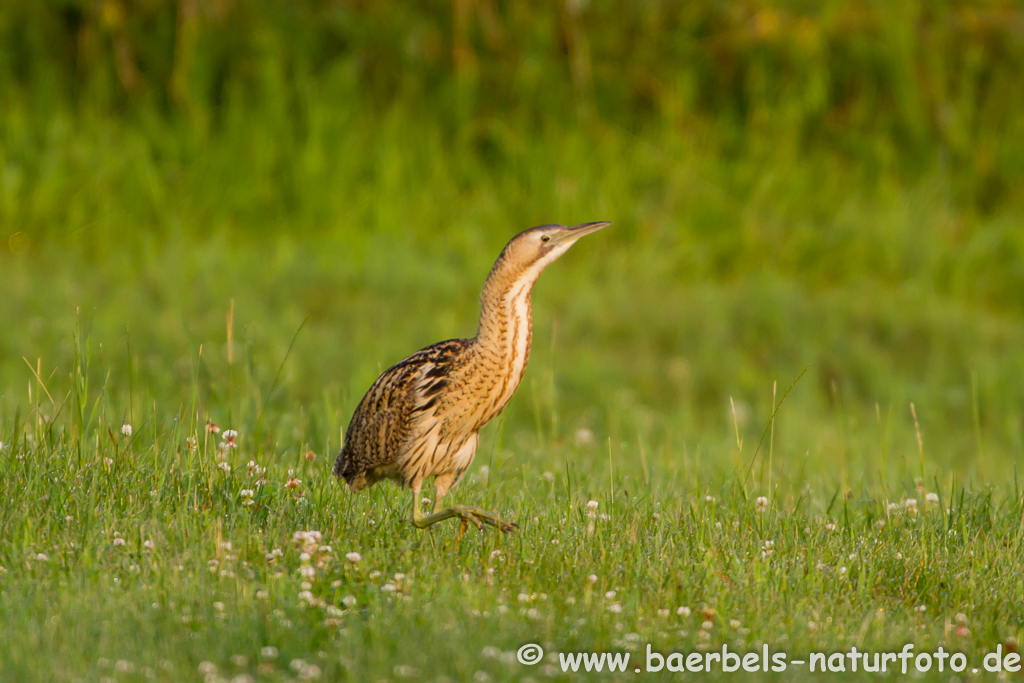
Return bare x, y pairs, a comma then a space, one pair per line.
545, 238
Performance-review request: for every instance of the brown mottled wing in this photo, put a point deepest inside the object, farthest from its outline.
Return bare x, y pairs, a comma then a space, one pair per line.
384, 419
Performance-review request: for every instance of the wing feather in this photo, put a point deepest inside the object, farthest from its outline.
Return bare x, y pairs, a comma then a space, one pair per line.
385, 424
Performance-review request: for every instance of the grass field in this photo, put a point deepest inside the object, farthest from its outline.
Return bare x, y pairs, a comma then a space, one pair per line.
242, 216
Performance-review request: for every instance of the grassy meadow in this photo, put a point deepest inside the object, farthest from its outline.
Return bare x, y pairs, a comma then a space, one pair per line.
219, 222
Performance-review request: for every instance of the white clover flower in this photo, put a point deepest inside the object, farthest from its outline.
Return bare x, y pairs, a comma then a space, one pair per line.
388, 588
353, 557
583, 437
762, 503
126, 429
615, 608
830, 527
931, 497
268, 652
349, 601
224, 467
683, 611
709, 499
119, 541
309, 672
148, 544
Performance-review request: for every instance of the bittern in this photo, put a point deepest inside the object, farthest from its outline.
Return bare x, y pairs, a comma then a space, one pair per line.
422, 417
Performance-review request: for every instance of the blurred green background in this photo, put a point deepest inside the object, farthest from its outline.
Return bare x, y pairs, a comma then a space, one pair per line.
829, 183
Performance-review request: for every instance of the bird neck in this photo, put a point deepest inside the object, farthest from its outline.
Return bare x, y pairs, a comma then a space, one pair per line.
506, 322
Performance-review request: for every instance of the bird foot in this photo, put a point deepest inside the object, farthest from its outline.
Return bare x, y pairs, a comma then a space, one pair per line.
477, 517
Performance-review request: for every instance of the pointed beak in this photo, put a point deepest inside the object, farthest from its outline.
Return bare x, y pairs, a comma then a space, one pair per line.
577, 231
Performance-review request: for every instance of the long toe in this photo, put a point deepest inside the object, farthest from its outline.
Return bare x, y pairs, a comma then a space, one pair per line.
495, 520
469, 516
507, 527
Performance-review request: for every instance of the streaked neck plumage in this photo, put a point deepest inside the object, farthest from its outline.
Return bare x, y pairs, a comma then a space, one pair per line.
506, 325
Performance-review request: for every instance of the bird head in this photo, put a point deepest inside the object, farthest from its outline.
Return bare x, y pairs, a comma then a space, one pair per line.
535, 248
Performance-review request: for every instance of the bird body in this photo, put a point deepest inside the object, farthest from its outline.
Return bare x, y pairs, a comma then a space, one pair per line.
422, 416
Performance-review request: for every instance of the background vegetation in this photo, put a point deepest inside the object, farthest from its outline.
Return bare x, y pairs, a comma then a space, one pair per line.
242, 211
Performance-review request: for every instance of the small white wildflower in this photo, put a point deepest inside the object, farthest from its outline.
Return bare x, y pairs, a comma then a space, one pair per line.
762, 503
148, 544
309, 672
583, 437
830, 527
224, 467
119, 541
349, 601
910, 504
931, 497
126, 429
353, 557
268, 652
615, 608
683, 611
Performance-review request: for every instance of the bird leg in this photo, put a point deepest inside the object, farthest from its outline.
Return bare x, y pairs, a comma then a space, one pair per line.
467, 514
